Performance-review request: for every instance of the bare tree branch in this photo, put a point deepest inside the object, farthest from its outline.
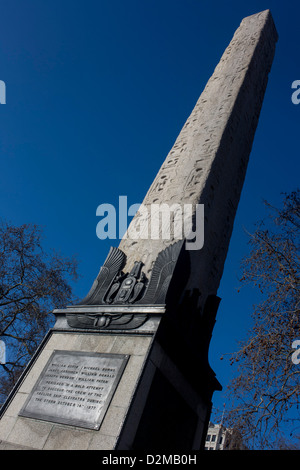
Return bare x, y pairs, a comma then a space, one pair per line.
266, 389
32, 284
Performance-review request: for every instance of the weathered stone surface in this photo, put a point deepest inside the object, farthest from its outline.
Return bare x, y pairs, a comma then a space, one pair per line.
208, 161
17, 432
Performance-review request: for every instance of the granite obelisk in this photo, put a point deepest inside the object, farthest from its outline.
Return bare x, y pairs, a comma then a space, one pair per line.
127, 368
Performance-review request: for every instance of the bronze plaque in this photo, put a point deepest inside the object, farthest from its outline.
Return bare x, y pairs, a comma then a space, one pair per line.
75, 388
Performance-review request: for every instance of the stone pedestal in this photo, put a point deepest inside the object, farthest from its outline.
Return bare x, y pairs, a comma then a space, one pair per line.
159, 402
17, 431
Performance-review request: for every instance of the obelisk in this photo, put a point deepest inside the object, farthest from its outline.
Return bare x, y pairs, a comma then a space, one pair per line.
135, 350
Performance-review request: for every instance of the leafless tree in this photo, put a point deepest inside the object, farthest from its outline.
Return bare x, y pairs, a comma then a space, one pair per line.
32, 284
266, 390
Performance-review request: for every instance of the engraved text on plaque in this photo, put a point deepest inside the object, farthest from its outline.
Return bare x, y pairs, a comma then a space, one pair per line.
75, 388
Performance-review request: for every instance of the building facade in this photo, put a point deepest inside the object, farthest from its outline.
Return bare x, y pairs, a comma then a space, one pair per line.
217, 437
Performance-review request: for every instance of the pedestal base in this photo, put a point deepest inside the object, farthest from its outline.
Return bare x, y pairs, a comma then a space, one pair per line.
20, 432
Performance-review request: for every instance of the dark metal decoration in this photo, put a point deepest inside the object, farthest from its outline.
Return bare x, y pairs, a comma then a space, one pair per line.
113, 265
114, 287
161, 275
127, 288
106, 321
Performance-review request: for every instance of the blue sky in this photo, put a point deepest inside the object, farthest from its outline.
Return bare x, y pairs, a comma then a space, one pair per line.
97, 92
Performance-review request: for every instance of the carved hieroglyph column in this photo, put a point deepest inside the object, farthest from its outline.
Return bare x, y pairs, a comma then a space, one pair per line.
204, 169
208, 161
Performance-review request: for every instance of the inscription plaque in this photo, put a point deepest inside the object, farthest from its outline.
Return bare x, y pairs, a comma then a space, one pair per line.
75, 388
